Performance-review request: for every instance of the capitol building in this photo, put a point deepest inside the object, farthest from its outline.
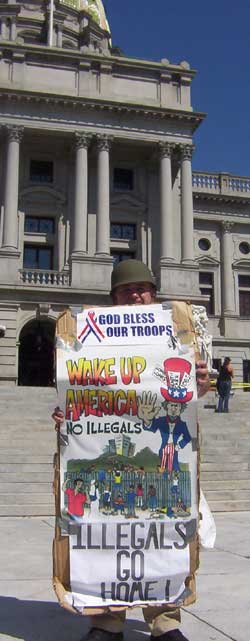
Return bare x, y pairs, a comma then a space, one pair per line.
96, 166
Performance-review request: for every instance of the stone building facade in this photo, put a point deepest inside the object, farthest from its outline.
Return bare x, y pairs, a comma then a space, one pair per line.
95, 166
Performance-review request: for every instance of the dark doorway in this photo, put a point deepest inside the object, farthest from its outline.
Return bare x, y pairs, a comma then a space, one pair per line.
246, 374
36, 354
216, 364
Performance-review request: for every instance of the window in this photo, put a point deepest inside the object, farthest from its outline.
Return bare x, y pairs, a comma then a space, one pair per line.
244, 248
204, 244
244, 294
118, 256
39, 225
123, 179
206, 281
122, 231
38, 257
41, 171
244, 299
244, 280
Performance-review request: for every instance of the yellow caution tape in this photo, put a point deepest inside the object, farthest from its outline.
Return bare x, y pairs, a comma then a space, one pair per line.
235, 385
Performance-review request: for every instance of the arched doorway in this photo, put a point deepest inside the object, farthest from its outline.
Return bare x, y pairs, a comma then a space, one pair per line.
36, 354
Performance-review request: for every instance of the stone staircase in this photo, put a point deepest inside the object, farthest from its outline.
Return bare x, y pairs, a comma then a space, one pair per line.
28, 443
225, 453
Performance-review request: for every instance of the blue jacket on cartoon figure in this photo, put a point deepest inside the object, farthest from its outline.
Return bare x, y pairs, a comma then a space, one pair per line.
181, 435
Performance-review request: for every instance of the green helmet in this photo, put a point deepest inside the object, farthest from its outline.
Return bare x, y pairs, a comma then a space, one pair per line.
130, 271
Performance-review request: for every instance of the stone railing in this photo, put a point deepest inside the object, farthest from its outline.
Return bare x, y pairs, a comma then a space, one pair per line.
224, 184
48, 278
76, 4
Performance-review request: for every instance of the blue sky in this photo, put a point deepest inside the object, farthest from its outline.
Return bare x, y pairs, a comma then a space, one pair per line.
214, 37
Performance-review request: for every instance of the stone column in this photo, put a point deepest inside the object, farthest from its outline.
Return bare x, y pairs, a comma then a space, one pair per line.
10, 225
166, 205
59, 33
187, 224
4, 29
103, 214
61, 243
13, 28
227, 283
81, 194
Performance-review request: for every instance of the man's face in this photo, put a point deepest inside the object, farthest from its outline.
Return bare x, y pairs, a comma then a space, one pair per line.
78, 486
174, 409
134, 294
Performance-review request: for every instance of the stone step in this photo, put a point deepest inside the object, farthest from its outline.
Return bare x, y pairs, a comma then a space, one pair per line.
29, 427
217, 456
44, 445
224, 466
25, 468
212, 419
232, 475
220, 432
25, 457
228, 449
229, 506
227, 495
31, 407
26, 498
6, 391
236, 484
18, 477
46, 509
219, 445
23, 487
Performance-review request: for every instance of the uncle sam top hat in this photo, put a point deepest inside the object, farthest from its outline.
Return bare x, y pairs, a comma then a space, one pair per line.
177, 372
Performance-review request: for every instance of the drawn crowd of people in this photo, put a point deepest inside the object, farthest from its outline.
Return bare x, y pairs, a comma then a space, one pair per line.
118, 496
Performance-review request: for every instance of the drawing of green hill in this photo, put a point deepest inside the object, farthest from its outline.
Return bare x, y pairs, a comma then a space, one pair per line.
145, 458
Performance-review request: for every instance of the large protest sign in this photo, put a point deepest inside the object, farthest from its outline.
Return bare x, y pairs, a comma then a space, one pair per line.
128, 457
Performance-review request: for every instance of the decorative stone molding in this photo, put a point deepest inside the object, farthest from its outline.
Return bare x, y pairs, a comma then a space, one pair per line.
227, 227
207, 261
45, 193
14, 133
82, 140
82, 103
43, 309
104, 142
166, 149
186, 152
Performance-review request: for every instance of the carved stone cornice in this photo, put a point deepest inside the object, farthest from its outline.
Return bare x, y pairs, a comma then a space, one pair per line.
101, 105
166, 149
82, 140
14, 133
186, 152
103, 142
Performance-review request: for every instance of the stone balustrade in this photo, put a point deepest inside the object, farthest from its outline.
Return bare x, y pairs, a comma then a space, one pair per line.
48, 278
220, 183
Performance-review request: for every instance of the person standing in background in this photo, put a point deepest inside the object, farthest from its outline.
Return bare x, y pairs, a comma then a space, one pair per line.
224, 384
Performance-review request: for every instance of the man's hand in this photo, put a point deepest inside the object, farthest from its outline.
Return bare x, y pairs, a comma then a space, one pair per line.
58, 417
202, 378
147, 408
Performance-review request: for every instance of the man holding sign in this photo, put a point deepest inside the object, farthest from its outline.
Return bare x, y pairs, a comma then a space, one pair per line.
133, 284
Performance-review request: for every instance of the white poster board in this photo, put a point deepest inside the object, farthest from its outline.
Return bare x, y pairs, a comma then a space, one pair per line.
128, 457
